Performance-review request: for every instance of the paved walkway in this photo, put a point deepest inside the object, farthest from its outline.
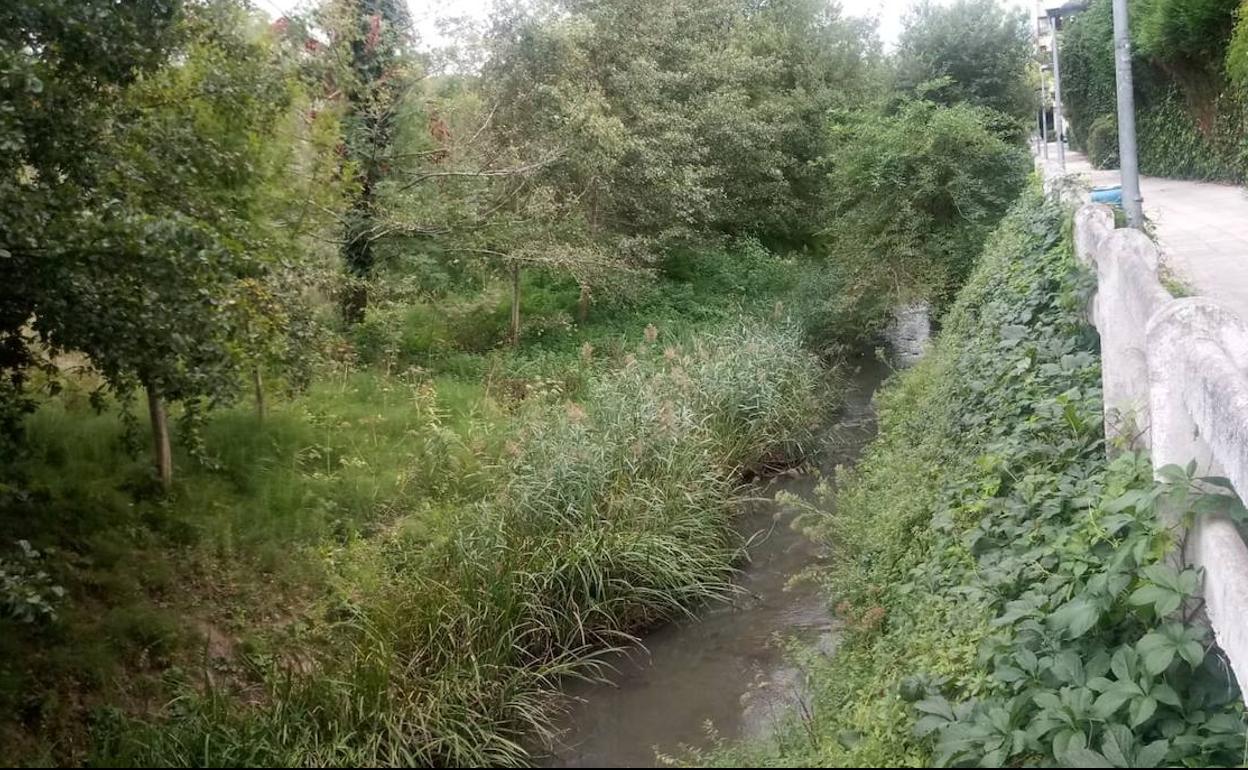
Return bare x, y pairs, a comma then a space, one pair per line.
1201, 229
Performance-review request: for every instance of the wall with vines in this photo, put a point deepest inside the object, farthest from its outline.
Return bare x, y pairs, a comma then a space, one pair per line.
1191, 79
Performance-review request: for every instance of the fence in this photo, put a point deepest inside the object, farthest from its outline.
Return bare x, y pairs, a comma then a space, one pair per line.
1175, 375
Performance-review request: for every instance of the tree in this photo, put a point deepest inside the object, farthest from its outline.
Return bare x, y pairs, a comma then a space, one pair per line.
707, 118
145, 239
62, 65
912, 194
980, 47
373, 68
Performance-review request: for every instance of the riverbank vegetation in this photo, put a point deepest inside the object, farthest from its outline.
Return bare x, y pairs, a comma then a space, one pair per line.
355, 393
1008, 596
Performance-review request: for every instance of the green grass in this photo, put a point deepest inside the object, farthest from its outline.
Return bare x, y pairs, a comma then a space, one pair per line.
399, 564
611, 514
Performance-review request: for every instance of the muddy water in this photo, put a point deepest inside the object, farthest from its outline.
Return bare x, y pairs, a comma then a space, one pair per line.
728, 668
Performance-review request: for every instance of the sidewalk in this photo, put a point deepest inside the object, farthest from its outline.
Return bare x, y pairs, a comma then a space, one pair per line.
1201, 229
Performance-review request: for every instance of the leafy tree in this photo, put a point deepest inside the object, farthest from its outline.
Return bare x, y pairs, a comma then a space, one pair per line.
983, 49
1088, 80
707, 117
62, 65
372, 68
144, 242
912, 195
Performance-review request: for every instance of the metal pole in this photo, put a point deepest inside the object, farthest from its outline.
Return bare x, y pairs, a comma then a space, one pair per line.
1132, 201
1057, 96
1044, 117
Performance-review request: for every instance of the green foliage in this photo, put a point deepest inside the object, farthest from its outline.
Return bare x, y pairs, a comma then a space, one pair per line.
1237, 50
977, 50
911, 195
134, 254
27, 593
709, 116
1103, 142
1191, 31
1170, 144
1089, 89
1189, 123
1009, 597
611, 514
61, 65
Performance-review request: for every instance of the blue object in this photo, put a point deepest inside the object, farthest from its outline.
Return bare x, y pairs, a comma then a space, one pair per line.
1109, 194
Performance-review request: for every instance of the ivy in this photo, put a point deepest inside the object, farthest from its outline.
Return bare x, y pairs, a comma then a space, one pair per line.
1034, 610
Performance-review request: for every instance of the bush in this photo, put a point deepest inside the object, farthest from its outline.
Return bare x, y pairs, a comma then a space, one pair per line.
1237, 50
1103, 142
913, 194
1171, 144
1184, 31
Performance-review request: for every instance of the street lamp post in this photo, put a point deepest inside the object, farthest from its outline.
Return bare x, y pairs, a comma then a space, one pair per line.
1057, 94
1128, 160
1044, 118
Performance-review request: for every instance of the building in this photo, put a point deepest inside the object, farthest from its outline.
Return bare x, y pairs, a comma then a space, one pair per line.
1046, 21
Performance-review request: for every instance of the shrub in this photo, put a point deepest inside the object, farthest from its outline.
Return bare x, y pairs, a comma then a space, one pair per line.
1184, 31
1103, 142
1237, 50
913, 194
1171, 144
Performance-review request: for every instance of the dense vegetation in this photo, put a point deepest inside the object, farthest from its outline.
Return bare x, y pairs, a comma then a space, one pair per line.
1188, 64
1009, 597
454, 362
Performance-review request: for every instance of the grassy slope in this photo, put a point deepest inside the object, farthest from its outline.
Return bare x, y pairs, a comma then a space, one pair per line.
992, 561
324, 538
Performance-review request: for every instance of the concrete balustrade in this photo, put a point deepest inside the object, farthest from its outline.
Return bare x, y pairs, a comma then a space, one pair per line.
1175, 376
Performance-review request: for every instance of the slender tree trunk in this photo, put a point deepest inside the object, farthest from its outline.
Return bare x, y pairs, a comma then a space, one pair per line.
261, 409
582, 305
162, 454
515, 303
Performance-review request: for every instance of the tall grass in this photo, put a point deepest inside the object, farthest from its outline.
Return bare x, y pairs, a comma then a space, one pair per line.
612, 514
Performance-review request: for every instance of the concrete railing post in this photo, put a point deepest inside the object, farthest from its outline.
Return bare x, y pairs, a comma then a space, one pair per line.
1175, 383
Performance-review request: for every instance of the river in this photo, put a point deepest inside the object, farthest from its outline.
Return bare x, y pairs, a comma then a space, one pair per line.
727, 669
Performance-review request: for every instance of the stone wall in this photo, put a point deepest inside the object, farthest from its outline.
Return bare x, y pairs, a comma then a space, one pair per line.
1175, 375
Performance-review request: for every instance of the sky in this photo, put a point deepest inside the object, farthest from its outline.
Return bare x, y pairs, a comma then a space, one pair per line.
888, 13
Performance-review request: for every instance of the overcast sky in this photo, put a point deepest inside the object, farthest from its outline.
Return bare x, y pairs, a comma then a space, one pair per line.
888, 13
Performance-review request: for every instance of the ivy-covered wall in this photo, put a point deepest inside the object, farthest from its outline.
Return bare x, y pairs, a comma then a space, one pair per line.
1190, 61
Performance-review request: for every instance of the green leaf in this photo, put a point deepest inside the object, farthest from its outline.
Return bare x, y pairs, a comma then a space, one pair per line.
1141, 709
1047, 700
1164, 693
936, 705
929, 724
1152, 755
1109, 702
1008, 674
1164, 600
1076, 616
1193, 652
1085, 758
1156, 651
1117, 745
1100, 683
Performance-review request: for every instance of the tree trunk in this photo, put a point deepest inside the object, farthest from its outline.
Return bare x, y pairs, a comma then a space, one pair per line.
354, 303
515, 303
260, 405
162, 455
582, 305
